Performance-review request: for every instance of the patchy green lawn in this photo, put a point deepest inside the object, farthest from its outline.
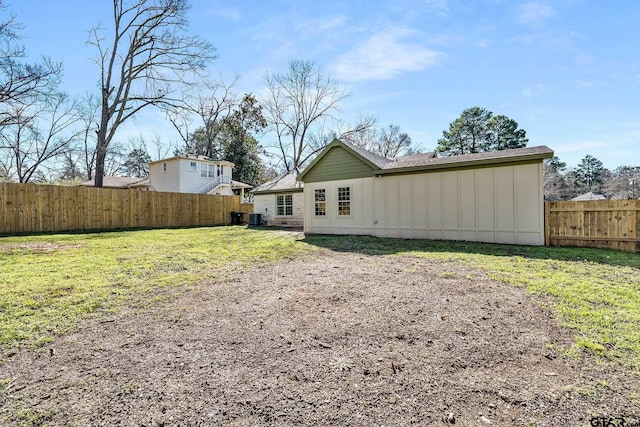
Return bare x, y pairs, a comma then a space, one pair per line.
49, 282
596, 292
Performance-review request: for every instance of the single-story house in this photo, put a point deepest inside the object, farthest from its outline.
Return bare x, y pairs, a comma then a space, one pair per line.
494, 197
280, 201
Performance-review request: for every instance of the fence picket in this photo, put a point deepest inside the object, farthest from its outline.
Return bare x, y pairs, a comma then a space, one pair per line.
609, 224
32, 208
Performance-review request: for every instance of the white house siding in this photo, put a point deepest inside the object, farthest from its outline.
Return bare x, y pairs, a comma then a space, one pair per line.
265, 204
181, 179
164, 181
495, 204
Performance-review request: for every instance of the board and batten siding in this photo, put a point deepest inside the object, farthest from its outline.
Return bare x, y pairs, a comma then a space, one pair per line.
501, 204
265, 204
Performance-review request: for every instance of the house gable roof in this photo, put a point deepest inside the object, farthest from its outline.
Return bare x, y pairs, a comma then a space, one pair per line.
591, 195
424, 162
341, 160
283, 183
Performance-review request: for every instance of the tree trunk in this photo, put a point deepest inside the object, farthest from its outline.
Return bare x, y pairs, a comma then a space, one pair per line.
99, 172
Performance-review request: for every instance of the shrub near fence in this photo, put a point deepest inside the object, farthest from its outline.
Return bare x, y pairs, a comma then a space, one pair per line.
609, 224
31, 208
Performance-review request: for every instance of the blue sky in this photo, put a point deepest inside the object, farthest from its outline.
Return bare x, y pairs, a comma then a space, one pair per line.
567, 71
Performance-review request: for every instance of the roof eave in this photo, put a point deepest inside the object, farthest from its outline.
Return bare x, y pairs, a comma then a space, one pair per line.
467, 163
279, 191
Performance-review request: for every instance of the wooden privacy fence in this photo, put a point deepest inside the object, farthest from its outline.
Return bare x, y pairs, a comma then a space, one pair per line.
30, 208
595, 223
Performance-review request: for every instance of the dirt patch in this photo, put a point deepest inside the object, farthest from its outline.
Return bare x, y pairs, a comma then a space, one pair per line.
339, 339
43, 246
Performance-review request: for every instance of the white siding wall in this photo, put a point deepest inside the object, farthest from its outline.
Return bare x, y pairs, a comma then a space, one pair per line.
181, 179
190, 181
265, 204
499, 204
164, 181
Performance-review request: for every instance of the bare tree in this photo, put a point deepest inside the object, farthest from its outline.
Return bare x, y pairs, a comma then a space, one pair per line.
392, 142
88, 108
20, 82
148, 60
42, 132
299, 101
361, 133
210, 106
160, 149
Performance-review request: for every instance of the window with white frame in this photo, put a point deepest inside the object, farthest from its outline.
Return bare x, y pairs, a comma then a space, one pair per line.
207, 171
193, 166
320, 197
284, 205
344, 201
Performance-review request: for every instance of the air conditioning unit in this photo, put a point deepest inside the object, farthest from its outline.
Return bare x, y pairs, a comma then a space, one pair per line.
255, 219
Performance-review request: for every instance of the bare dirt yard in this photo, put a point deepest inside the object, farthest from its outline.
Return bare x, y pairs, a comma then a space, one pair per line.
336, 339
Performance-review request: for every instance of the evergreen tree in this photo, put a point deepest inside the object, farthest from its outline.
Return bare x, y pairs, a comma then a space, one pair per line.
590, 173
478, 130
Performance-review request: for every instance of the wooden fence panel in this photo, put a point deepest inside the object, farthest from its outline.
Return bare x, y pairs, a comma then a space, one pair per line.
31, 208
609, 224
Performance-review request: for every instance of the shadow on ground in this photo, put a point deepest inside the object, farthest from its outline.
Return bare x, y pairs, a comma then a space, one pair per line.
385, 246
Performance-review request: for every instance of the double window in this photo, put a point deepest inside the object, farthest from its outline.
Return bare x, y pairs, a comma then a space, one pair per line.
207, 171
344, 201
284, 205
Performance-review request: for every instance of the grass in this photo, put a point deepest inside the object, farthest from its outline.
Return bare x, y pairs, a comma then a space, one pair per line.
596, 292
49, 282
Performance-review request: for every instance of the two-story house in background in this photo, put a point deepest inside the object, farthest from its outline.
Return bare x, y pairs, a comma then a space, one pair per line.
184, 174
194, 174
191, 175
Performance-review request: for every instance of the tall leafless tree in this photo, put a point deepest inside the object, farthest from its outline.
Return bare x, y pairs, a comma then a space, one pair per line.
299, 101
392, 142
149, 60
21, 82
42, 132
88, 108
209, 107
360, 133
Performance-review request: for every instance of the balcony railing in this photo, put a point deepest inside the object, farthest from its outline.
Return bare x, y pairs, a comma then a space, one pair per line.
215, 183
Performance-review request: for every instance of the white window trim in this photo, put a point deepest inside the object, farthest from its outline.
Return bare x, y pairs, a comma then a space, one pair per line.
315, 213
350, 203
284, 205
194, 169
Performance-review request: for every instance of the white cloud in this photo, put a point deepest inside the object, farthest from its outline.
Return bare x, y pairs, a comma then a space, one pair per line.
440, 6
228, 13
485, 42
385, 55
535, 89
319, 26
535, 13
